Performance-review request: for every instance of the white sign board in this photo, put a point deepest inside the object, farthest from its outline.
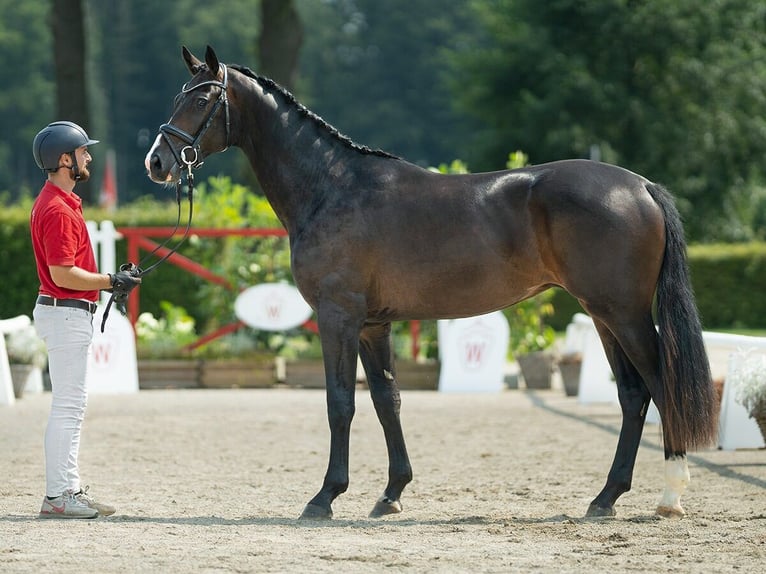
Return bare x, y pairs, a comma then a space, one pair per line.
272, 307
112, 364
473, 353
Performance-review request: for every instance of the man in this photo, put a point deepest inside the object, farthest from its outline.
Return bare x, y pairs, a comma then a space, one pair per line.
63, 316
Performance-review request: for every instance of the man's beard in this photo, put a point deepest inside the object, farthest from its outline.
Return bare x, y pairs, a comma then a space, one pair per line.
83, 172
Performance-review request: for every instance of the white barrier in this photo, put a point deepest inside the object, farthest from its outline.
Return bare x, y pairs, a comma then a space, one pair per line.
736, 428
6, 382
597, 384
473, 353
112, 363
103, 239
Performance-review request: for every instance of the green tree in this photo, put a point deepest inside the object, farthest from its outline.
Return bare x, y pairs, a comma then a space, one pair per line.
27, 100
69, 58
137, 57
280, 41
375, 71
672, 90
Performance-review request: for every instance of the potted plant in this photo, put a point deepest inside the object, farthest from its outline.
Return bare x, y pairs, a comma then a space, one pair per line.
162, 362
749, 383
27, 356
532, 340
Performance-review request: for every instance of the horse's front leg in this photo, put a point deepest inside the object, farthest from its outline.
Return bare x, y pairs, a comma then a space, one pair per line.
339, 330
377, 357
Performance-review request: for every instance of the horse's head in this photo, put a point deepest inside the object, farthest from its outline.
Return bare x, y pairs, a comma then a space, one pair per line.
200, 123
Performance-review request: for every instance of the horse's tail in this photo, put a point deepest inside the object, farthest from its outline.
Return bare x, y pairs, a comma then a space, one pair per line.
687, 401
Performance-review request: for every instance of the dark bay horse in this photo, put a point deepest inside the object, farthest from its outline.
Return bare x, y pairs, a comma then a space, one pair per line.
375, 239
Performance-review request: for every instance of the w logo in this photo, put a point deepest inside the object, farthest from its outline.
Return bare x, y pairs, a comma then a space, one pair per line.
475, 344
473, 353
102, 352
274, 309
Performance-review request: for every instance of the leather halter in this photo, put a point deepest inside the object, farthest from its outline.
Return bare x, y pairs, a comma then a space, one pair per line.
193, 141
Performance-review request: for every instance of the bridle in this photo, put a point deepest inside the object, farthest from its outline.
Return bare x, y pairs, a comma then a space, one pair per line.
187, 163
192, 141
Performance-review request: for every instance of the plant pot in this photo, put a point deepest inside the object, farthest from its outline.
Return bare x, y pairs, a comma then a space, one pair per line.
759, 414
569, 367
537, 368
169, 373
25, 376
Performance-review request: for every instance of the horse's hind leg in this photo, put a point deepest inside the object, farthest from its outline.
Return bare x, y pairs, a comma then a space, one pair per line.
377, 359
634, 400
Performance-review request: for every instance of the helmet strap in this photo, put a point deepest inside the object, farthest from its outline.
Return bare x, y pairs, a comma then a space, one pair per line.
75, 168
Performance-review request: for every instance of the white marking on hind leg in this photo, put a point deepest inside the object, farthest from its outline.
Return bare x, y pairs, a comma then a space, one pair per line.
676, 481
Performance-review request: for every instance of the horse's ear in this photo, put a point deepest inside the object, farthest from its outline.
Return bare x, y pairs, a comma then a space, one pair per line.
212, 61
191, 61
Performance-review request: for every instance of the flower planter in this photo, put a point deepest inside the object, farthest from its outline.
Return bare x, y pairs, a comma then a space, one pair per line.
537, 368
169, 373
25, 377
416, 375
759, 414
304, 374
238, 373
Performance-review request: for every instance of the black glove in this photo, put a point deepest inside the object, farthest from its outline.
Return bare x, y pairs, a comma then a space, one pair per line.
125, 280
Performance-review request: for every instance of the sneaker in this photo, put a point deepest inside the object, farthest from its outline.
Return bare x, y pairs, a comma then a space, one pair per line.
86, 499
66, 506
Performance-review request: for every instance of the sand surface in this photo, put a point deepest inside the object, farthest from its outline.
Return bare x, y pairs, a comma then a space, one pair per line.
214, 481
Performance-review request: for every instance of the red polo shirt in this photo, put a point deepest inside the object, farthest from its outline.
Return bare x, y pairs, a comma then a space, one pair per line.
60, 237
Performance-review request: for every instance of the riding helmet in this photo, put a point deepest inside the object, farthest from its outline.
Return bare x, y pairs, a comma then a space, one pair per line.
55, 139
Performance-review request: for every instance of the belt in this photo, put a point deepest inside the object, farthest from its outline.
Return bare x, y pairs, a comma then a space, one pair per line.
75, 303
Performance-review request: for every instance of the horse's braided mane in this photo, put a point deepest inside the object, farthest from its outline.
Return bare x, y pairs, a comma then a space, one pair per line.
305, 112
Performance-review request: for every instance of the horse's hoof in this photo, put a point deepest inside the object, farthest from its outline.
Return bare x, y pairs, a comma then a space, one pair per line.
385, 506
314, 512
600, 512
670, 511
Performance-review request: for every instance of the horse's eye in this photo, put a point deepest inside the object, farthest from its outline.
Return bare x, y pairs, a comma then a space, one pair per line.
201, 103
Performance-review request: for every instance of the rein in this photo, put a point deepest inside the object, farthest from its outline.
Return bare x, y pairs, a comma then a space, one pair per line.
136, 270
189, 158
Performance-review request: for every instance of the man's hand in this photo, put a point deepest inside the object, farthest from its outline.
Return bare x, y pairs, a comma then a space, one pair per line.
123, 282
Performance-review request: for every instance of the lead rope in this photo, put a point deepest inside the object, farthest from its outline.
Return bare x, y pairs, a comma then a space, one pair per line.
136, 270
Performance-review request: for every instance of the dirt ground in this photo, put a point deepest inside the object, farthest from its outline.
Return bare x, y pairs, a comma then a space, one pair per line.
214, 481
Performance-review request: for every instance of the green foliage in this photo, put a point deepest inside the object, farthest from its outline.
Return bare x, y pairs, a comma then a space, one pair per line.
27, 101
166, 336
529, 332
375, 70
517, 159
728, 280
456, 166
